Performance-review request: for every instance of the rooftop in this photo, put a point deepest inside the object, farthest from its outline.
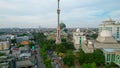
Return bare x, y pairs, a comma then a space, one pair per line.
24, 63
112, 50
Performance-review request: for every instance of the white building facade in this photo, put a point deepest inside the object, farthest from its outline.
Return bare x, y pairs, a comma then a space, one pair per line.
77, 39
111, 26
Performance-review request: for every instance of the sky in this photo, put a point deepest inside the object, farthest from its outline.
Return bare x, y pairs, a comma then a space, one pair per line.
42, 13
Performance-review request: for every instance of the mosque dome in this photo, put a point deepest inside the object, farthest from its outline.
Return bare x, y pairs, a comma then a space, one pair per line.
108, 19
77, 30
105, 33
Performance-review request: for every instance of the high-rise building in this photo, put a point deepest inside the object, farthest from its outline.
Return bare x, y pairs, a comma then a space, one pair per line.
112, 26
58, 38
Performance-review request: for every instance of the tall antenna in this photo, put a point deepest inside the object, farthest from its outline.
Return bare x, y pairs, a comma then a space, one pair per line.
58, 12
58, 38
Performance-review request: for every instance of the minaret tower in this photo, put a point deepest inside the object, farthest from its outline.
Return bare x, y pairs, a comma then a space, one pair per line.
58, 38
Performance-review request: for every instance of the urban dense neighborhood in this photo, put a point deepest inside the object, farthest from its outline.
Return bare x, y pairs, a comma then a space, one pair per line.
60, 47
79, 47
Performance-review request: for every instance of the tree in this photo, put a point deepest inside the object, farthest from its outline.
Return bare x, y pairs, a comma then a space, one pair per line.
65, 29
24, 34
72, 66
88, 58
99, 57
43, 53
62, 25
20, 45
81, 56
84, 65
89, 65
68, 45
2, 54
93, 65
47, 62
31, 44
60, 48
69, 58
13, 41
94, 36
107, 66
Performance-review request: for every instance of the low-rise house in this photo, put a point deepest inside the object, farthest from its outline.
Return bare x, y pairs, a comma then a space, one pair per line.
4, 45
6, 62
25, 51
22, 38
24, 63
22, 56
21, 52
15, 52
25, 43
5, 37
30, 36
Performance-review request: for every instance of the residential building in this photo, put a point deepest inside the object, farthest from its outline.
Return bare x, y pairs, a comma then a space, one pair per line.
4, 45
22, 38
7, 37
6, 62
25, 43
15, 52
24, 64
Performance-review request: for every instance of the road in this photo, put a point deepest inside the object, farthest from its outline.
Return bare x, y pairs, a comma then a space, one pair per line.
40, 63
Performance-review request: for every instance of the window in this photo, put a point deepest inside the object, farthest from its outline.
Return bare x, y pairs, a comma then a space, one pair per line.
108, 57
113, 58
80, 40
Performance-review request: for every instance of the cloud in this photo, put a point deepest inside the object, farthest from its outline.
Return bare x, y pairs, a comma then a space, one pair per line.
74, 13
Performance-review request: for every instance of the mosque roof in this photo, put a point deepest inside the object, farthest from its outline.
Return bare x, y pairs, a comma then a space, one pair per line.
106, 37
111, 50
109, 20
99, 45
106, 33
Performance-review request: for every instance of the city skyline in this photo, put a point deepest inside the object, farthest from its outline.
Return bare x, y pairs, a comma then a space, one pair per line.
75, 13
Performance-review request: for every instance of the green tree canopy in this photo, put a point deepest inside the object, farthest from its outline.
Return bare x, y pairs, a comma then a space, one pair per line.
2, 54
97, 57
60, 48
62, 25
69, 58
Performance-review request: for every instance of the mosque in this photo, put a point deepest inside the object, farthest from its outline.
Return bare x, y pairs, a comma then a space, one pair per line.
105, 41
111, 25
